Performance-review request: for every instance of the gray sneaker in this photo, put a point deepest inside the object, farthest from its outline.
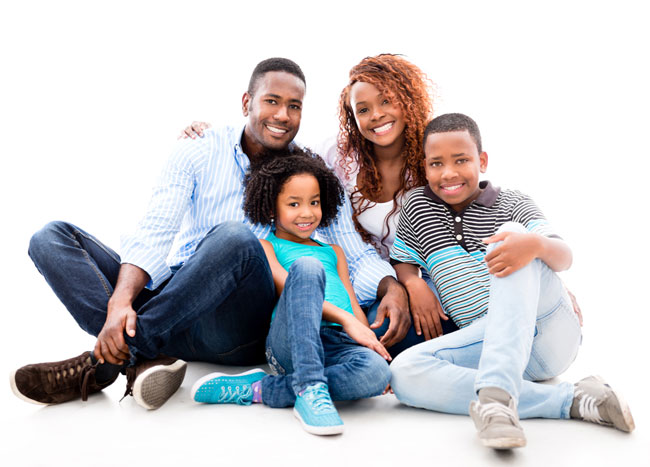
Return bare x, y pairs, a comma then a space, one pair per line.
595, 401
152, 382
497, 424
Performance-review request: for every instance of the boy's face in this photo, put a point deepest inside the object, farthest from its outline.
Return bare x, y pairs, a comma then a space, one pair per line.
452, 165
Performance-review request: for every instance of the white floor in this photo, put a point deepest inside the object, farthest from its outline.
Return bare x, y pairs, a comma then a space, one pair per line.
379, 431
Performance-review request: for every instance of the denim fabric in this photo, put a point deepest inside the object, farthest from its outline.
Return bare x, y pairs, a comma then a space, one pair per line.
303, 353
411, 337
215, 308
530, 333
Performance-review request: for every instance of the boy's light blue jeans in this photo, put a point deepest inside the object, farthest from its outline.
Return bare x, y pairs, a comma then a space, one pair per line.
303, 353
530, 333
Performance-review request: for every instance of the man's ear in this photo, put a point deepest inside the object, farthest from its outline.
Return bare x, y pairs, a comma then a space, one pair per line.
483, 159
245, 103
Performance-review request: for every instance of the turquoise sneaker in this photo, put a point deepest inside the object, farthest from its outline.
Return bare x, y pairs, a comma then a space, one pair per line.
220, 388
316, 412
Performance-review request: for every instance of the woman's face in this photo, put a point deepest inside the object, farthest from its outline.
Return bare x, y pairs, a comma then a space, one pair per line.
379, 120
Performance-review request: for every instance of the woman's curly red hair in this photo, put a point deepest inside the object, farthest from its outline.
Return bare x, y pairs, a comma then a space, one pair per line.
405, 85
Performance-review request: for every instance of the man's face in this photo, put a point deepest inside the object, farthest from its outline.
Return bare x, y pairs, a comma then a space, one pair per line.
452, 167
273, 110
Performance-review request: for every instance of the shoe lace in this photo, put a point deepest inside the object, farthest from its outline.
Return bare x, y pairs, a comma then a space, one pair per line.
495, 409
588, 407
80, 369
319, 398
130, 380
239, 394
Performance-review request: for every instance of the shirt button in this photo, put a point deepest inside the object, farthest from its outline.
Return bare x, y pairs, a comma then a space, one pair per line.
459, 237
458, 219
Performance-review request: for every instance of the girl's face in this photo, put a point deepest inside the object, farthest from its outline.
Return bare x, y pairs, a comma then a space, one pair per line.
297, 209
379, 120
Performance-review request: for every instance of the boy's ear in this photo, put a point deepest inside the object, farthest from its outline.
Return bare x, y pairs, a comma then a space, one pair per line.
245, 102
483, 160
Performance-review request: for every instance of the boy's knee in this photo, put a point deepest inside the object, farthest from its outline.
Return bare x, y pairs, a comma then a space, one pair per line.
512, 227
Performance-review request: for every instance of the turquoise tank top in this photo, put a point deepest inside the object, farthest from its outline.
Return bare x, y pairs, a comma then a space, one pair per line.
335, 293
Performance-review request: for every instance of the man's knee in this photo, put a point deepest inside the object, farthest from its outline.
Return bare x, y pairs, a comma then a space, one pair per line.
42, 242
231, 236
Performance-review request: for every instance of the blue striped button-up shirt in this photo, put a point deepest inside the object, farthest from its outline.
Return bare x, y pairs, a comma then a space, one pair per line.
202, 186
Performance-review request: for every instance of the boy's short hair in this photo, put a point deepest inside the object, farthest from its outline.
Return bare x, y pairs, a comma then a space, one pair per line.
274, 64
454, 122
266, 179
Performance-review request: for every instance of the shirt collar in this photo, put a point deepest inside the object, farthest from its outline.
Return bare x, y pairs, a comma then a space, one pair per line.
487, 197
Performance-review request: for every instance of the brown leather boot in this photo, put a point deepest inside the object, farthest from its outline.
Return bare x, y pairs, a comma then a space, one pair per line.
56, 382
152, 382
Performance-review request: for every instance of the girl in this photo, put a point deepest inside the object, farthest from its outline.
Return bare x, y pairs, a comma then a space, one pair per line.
319, 344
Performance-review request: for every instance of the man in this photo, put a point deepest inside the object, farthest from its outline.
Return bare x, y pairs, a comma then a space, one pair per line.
211, 299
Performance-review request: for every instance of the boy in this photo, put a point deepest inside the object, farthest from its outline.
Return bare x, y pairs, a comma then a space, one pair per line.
492, 256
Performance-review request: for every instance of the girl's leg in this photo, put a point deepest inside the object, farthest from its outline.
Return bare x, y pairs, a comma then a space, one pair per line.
294, 348
352, 371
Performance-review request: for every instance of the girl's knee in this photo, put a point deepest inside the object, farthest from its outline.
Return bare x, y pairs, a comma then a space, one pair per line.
308, 267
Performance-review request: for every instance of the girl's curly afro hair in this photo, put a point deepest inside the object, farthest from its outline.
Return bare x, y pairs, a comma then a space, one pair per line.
266, 179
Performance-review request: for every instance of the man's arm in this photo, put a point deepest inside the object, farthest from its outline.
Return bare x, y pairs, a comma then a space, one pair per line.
120, 317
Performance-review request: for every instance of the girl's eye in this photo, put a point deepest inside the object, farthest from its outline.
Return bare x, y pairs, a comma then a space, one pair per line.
315, 203
386, 101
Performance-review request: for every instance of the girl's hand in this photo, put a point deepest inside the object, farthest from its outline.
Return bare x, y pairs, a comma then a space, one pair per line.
194, 130
365, 336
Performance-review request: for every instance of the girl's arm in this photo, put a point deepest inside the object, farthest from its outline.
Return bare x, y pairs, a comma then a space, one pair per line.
358, 329
279, 273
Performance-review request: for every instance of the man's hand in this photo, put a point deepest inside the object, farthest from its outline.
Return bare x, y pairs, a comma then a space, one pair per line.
394, 306
426, 310
111, 346
194, 130
516, 251
364, 336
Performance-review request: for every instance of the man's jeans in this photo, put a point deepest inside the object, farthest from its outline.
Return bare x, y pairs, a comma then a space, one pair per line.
303, 353
215, 308
411, 337
530, 333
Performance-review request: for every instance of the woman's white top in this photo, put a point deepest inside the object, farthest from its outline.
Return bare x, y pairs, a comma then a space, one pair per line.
373, 219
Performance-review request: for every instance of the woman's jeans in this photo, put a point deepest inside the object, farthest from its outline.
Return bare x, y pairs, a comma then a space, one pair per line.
215, 308
303, 353
530, 333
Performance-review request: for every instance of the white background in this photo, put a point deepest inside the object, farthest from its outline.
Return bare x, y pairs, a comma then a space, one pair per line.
93, 95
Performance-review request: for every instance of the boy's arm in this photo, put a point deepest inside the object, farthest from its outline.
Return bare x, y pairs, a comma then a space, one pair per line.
425, 307
519, 249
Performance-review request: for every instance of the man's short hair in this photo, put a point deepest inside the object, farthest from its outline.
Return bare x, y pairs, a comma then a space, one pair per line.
274, 64
454, 122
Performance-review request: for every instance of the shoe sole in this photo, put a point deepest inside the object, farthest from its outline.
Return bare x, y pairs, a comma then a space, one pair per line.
504, 443
628, 420
157, 384
20, 395
319, 430
210, 376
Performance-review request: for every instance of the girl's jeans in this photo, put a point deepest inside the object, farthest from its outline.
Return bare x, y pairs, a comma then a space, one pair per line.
530, 333
303, 353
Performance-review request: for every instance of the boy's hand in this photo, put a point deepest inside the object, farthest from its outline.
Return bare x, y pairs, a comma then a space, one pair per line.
363, 335
426, 310
516, 251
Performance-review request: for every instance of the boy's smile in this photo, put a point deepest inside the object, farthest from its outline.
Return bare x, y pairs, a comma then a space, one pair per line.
452, 165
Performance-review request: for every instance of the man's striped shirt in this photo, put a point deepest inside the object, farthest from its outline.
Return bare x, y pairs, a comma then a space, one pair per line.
200, 187
448, 244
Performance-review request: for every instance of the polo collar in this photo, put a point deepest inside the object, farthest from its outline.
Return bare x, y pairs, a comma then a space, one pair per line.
487, 198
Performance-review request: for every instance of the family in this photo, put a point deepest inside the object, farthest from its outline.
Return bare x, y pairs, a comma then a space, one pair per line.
379, 263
